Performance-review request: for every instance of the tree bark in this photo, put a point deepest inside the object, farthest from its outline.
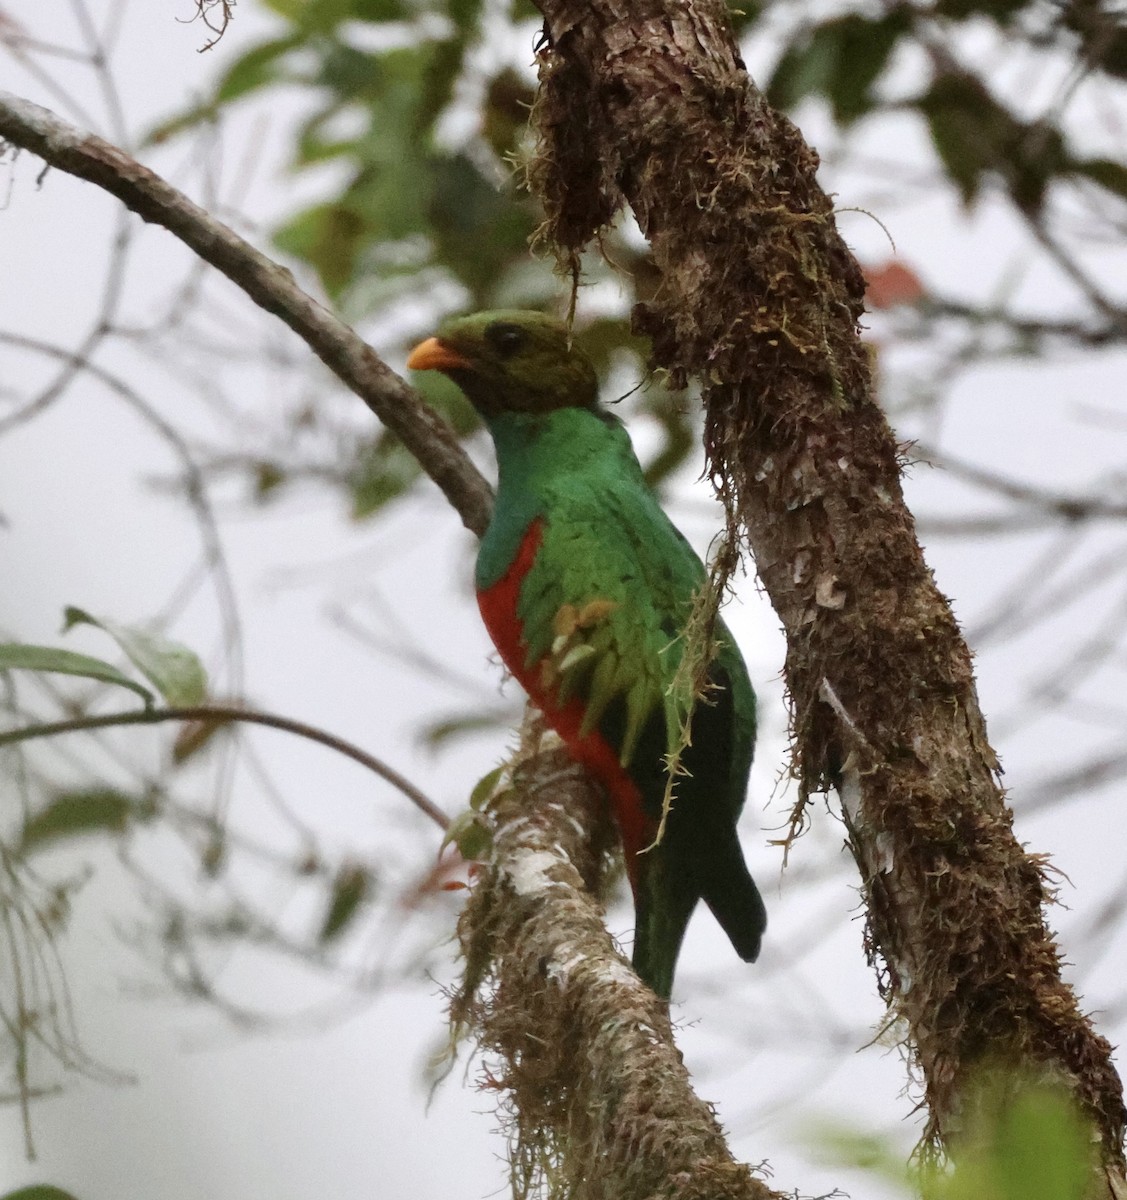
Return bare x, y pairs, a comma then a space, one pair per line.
647, 102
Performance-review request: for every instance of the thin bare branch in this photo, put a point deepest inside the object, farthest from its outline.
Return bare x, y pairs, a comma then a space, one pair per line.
233, 713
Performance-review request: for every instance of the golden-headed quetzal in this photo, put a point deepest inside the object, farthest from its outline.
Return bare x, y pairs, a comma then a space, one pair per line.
585, 587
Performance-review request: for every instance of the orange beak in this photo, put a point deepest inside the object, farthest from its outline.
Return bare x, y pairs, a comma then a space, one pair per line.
434, 355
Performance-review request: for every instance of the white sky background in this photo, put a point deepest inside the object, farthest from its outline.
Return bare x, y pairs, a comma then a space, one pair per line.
341, 1110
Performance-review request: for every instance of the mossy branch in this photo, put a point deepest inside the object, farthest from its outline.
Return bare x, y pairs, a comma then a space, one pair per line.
597, 1099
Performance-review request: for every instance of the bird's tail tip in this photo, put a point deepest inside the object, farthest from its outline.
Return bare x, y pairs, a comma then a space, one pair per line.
742, 916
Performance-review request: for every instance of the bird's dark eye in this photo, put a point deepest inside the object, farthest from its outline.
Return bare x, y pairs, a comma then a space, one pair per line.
505, 338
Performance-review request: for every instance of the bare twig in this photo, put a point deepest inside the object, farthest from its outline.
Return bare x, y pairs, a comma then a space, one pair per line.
231, 712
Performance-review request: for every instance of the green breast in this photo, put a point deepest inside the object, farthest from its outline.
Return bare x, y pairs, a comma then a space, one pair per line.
549, 465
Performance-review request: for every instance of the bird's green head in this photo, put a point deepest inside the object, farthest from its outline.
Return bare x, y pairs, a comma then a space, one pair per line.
511, 360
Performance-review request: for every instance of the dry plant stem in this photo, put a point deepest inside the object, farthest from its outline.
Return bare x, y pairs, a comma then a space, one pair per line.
268, 284
648, 102
599, 1102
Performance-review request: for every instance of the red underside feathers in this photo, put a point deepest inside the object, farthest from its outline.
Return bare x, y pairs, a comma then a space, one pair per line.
498, 606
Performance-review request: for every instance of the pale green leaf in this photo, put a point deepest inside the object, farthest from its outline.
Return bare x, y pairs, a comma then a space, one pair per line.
72, 814
18, 656
174, 670
38, 1191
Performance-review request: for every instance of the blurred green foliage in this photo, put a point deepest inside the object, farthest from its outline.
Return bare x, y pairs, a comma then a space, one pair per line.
848, 60
351, 889
83, 811
1028, 1145
422, 106
40, 1191
1023, 1139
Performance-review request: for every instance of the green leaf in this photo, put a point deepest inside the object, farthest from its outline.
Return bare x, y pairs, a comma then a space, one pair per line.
1103, 34
863, 50
290, 9
448, 400
1042, 1149
974, 134
448, 729
382, 472
178, 123
839, 59
313, 16
349, 72
485, 787
969, 129
258, 67
379, 11
878, 1155
470, 832
508, 101
679, 441
351, 887
174, 670
73, 814
329, 238
746, 13
1024, 1139
268, 477
17, 656
1001, 12
444, 67
1109, 53
465, 13
214, 853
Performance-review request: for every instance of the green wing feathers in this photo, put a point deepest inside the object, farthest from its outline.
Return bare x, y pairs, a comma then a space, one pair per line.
592, 618
602, 612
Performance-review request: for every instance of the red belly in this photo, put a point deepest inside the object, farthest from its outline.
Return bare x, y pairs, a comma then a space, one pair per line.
498, 606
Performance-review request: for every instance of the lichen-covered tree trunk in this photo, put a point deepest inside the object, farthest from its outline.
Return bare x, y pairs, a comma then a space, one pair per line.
647, 102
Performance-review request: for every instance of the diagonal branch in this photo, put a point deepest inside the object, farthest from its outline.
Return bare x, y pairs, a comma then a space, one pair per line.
268, 284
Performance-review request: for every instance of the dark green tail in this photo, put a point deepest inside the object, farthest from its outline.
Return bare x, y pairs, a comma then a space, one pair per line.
668, 891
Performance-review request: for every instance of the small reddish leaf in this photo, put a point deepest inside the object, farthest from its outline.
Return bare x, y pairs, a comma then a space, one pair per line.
195, 735
890, 284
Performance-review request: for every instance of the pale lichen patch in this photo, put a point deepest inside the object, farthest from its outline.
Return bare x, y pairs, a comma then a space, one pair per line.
529, 874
